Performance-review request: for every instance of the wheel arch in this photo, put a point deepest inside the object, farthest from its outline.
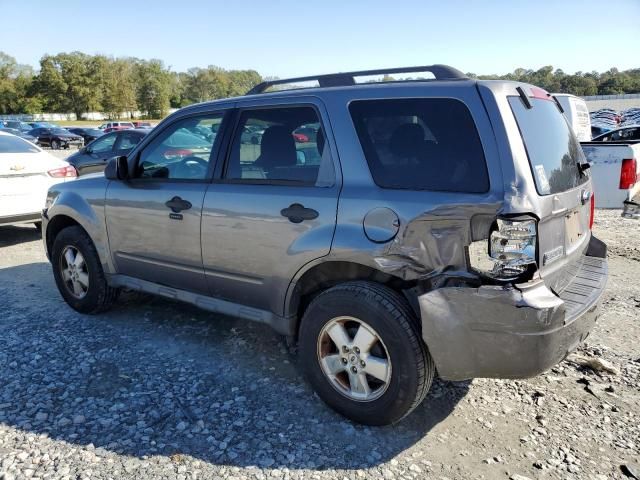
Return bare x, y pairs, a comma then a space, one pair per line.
320, 276
68, 209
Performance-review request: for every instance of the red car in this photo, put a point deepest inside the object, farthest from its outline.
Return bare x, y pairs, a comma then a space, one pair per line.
114, 126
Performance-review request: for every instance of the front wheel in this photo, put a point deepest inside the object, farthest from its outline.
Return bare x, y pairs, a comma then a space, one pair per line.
362, 352
78, 272
55, 144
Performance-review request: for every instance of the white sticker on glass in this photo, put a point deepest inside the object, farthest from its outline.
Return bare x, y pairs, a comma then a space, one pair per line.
543, 182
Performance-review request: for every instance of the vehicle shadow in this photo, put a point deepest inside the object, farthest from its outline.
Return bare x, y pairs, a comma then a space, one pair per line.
12, 235
155, 377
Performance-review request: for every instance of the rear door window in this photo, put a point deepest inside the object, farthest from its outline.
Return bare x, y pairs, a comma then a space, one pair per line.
553, 150
421, 144
280, 146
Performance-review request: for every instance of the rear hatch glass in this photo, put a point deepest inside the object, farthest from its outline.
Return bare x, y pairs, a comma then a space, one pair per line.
554, 152
554, 155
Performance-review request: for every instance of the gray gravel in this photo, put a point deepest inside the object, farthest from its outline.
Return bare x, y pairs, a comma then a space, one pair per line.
157, 389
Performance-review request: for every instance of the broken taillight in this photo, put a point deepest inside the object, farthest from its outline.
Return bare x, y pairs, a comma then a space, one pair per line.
511, 249
628, 175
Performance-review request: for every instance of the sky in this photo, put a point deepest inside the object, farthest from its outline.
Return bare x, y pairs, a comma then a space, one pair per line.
294, 38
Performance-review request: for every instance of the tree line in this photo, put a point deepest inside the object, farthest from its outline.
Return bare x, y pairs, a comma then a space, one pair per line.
611, 82
79, 83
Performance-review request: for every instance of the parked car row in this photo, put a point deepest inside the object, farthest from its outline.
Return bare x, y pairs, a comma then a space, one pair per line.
606, 119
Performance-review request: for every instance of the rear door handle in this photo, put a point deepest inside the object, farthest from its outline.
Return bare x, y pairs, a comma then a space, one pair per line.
176, 204
297, 213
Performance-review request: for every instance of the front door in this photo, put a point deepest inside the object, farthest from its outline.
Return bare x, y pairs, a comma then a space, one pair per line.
272, 208
153, 219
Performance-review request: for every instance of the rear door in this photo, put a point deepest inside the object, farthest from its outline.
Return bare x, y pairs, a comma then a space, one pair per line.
564, 191
272, 207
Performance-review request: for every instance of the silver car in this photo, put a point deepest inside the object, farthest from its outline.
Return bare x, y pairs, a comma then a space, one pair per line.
439, 224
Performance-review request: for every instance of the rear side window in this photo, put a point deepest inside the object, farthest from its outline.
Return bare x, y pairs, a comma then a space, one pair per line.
554, 152
11, 144
421, 144
280, 146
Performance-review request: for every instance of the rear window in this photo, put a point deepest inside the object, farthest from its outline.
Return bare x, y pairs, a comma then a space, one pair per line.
421, 144
11, 144
554, 152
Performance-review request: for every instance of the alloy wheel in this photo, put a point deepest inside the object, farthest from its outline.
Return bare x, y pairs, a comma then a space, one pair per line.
73, 270
354, 359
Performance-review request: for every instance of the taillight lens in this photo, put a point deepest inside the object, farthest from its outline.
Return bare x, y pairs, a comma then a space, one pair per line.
628, 173
63, 172
511, 249
592, 210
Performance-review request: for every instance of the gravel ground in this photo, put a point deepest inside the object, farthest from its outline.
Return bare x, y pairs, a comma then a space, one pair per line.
157, 389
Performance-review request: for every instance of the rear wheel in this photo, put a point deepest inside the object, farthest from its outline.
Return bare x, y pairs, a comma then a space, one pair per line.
55, 144
362, 352
78, 272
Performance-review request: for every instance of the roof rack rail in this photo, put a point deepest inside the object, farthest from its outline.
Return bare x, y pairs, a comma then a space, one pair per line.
440, 72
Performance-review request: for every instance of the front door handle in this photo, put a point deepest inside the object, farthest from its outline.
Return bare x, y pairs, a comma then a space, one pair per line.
297, 213
176, 204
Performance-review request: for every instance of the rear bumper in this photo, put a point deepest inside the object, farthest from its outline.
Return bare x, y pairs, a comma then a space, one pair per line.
508, 332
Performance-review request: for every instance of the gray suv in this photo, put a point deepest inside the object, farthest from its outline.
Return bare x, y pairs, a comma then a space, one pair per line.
389, 229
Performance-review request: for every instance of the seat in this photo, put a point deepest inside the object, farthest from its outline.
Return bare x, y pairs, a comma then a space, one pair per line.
277, 149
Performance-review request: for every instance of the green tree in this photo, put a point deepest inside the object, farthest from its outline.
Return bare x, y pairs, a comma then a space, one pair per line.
70, 82
204, 84
119, 87
153, 91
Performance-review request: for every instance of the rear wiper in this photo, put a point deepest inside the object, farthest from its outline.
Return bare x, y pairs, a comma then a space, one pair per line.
583, 167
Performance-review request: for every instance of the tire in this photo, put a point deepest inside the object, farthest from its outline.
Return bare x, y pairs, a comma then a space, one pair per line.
55, 145
385, 313
99, 296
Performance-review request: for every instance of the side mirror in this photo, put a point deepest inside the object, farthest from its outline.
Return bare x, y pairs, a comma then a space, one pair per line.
117, 168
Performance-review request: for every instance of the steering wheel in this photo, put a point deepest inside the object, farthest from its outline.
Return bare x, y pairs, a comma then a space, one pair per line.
192, 167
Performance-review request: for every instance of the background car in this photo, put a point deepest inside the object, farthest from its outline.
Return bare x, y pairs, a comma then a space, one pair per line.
43, 125
93, 158
88, 134
620, 134
141, 124
24, 127
19, 133
56, 138
26, 173
115, 126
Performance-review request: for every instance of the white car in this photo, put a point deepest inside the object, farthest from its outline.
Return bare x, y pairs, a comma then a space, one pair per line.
26, 173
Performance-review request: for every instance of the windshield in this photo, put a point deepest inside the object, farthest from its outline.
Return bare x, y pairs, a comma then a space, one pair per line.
553, 150
11, 144
60, 131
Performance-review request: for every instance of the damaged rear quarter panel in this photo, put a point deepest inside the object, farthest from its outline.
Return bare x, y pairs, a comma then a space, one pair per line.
435, 227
